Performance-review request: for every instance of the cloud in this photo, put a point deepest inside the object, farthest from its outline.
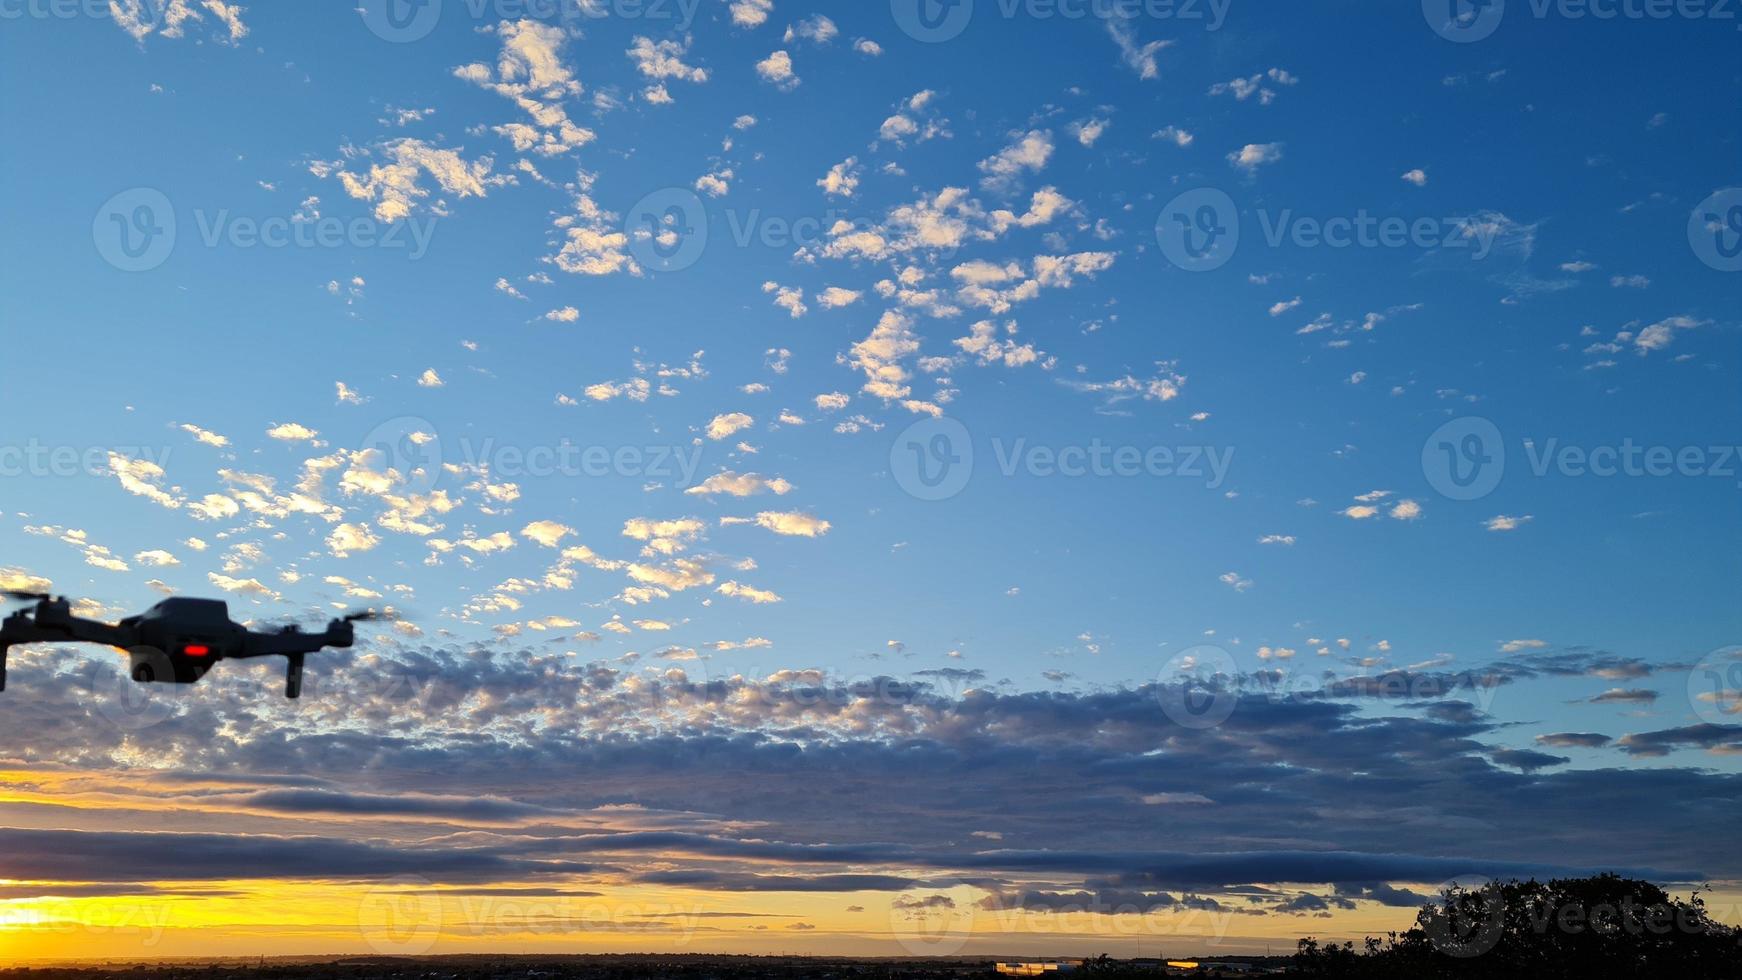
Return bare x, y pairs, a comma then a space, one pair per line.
1164, 386
207, 437
680, 745
1138, 57
1716, 738
347, 539
835, 297
546, 533
292, 432
748, 593
594, 244
777, 70
984, 344
1618, 695
1174, 135
1029, 154
716, 184
1256, 85
729, 424
751, 13
170, 18
793, 524
116, 856
842, 180
19, 580
1406, 510
395, 184
816, 28
788, 298
1527, 760
1573, 740
240, 586
1254, 155
1089, 131
142, 477
530, 72
664, 59
739, 485
1661, 334
881, 355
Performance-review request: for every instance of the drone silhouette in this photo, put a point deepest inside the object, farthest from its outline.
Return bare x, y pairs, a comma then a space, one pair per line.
176, 641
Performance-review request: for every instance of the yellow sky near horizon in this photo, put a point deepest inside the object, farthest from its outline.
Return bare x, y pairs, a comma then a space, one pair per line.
289, 918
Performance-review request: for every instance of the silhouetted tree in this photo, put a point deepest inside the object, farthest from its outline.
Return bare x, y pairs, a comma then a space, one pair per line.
1606, 926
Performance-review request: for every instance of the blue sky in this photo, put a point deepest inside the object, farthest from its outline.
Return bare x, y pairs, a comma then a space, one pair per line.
966, 240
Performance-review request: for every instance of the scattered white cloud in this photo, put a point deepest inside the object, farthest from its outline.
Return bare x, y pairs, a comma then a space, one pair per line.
751, 13
724, 426
1140, 57
1254, 155
842, 180
776, 69
292, 432
1259, 85
1027, 155
1174, 135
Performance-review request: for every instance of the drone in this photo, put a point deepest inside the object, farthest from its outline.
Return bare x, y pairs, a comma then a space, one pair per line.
176, 641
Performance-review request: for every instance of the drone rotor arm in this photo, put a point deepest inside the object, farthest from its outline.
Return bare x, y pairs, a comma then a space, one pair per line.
21, 628
294, 646
282, 644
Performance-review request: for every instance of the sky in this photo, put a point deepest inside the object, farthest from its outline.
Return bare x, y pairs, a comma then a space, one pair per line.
898, 478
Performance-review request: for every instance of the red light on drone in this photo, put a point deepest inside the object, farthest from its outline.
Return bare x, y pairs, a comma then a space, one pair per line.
197, 650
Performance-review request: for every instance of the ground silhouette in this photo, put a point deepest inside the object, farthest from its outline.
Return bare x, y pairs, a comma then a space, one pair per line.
1603, 926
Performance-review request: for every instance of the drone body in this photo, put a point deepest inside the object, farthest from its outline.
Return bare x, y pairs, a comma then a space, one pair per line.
176, 641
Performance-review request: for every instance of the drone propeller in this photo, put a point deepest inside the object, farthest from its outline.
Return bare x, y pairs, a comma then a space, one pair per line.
371, 616
23, 596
